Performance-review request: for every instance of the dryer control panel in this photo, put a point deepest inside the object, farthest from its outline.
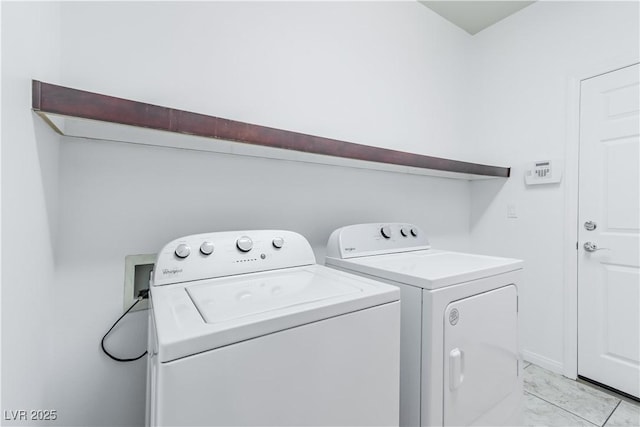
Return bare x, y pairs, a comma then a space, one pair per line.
210, 255
375, 239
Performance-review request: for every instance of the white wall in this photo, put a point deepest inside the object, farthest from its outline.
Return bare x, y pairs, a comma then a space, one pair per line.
520, 98
30, 49
374, 73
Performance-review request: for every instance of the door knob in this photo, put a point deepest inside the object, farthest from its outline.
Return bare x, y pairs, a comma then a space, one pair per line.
592, 247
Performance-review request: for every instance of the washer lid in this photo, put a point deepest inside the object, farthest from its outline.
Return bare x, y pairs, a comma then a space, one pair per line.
195, 317
429, 269
241, 297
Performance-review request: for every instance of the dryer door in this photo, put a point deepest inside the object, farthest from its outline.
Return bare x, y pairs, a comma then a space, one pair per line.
481, 381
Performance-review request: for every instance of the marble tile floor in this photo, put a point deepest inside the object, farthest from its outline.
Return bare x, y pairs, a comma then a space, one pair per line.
553, 400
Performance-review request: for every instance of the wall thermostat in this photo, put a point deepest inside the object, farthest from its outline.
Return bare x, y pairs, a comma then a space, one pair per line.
543, 172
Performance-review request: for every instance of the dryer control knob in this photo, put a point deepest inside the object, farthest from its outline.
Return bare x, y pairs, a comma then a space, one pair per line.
183, 250
278, 242
206, 248
244, 243
386, 231
414, 232
404, 231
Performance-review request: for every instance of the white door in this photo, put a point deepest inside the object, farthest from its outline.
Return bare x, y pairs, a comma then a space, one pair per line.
609, 223
481, 377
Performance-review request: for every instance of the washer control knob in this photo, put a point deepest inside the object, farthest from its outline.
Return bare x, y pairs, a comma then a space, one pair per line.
206, 248
386, 231
244, 243
183, 250
278, 242
414, 232
404, 231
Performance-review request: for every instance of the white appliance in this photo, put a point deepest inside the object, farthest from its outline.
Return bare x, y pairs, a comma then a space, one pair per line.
246, 329
460, 362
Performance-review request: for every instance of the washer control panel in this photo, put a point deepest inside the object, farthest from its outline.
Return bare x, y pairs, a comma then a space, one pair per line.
206, 248
375, 239
230, 253
244, 243
182, 250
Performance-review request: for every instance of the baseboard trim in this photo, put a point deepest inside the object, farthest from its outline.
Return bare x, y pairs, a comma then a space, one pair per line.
543, 362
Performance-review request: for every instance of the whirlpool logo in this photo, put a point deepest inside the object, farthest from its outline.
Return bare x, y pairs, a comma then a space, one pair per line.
454, 316
172, 271
349, 249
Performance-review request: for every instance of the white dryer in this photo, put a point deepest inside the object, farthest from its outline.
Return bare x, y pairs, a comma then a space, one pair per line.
460, 361
246, 329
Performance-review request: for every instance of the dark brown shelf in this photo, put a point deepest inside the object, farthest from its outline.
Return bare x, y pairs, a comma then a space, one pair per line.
49, 99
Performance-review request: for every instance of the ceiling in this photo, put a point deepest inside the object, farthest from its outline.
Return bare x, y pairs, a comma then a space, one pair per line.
475, 16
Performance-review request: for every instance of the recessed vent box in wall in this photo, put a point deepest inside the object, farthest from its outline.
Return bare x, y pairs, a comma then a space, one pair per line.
137, 273
543, 172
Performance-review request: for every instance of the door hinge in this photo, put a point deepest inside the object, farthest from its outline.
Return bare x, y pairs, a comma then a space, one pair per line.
576, 246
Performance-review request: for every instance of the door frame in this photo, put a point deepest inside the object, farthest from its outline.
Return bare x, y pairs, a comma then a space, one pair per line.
572, 151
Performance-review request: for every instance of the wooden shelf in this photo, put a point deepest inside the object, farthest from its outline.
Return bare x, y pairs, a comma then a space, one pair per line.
61, 107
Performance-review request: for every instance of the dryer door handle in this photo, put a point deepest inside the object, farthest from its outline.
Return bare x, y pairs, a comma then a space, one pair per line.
456, 368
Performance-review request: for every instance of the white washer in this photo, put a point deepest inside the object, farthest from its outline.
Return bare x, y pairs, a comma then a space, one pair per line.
246, 329
460, 362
